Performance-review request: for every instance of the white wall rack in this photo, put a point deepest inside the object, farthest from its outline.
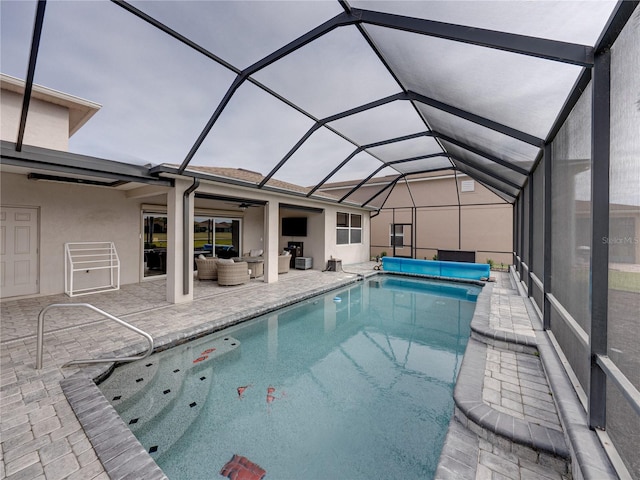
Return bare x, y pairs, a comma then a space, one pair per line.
90, 267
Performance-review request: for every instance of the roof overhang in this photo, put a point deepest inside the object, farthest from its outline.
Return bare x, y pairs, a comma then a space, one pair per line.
63, 165
80, 110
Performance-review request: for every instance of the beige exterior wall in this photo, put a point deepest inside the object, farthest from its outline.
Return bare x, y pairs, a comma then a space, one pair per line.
482, 223
253, 229
488, 230
424, 192
81, 213
77, 213
379, 235
436, 228
47, 124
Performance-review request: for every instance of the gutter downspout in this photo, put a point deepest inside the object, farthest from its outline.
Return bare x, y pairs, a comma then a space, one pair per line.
186, 252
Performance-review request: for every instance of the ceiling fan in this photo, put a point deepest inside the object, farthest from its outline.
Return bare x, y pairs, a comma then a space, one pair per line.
243, 205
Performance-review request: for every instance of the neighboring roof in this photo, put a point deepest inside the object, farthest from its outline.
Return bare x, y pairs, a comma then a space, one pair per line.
80, 110
247, 176
241, 176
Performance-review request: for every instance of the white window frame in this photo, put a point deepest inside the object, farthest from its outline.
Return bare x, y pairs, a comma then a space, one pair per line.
349, 228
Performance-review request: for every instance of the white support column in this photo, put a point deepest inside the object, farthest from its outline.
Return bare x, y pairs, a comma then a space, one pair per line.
175, 244
271, 241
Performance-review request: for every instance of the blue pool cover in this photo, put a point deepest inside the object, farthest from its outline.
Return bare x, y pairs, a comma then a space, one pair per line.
437, 268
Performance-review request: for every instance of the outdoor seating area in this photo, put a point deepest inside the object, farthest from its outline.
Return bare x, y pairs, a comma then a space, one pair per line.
231, 271
226, 271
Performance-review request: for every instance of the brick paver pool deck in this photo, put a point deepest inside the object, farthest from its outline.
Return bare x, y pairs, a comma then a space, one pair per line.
516, 414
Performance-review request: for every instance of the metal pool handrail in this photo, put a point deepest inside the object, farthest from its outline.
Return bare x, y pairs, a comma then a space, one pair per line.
97, 360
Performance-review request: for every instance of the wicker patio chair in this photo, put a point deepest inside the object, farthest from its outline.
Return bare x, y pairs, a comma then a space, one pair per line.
284, 262
233, 273
207, 268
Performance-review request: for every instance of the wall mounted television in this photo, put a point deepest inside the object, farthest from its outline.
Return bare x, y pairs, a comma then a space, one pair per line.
294, 227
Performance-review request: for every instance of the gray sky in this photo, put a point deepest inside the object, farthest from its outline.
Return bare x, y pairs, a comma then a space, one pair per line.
157, 94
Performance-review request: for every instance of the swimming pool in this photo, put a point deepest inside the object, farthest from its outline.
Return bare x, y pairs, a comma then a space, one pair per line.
354, 384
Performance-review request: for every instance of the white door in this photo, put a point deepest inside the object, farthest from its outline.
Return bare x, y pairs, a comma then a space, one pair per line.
19, 251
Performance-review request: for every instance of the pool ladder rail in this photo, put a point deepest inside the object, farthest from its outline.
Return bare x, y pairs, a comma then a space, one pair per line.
40, 336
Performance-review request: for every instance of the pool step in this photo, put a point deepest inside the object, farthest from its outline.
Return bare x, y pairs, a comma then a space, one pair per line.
159, 436
143, 392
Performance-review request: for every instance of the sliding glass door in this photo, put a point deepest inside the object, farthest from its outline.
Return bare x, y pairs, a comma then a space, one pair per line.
217, 235
155, 244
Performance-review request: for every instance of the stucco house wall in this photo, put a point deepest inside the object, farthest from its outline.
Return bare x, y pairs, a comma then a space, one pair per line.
47, 124
353, 253
77, 213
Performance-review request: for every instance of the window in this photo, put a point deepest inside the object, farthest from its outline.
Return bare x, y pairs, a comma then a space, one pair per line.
396, 236
349, 228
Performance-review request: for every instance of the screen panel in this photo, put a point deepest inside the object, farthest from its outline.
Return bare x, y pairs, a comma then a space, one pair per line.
474, 135
319, 77
240, 32
470, 157
406, 149
565, 21
494, 84
386, 122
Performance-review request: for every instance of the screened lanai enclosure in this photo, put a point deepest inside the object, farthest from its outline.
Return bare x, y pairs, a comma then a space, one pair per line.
538, 101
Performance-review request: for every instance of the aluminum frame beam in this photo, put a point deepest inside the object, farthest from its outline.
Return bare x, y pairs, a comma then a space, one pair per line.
554, 50
478, 120
31, 71
389, 186
599, 274
548, 162
482, 153
362, 183
363, 148
486, 171
324, 121
485, 181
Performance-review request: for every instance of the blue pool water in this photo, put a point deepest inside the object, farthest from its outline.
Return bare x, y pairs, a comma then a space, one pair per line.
355, 384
